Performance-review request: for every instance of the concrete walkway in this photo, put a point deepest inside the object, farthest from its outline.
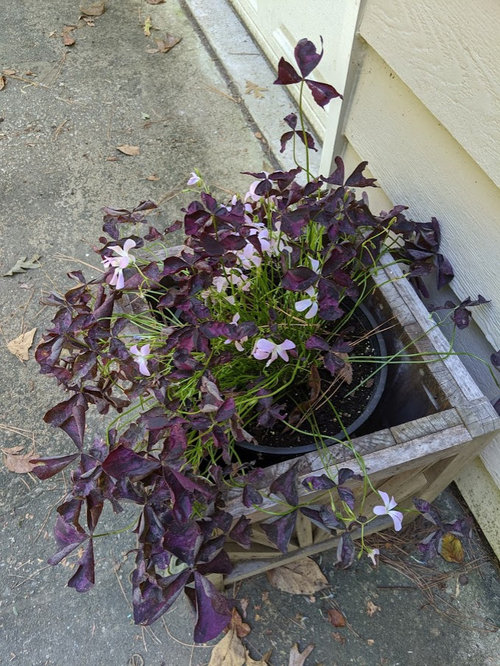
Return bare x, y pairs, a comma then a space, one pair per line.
63, 112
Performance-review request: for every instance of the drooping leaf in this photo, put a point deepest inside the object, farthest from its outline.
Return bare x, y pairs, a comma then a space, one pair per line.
84, 577
123, 462
213, 610
322, 93
45, 468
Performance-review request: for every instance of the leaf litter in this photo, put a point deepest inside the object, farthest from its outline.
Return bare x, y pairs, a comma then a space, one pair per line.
20, 346
18, 462
301, 577
164, 43
126, 149
22, 265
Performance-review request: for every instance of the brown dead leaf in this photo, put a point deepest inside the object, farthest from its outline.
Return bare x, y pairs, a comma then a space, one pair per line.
20, 345
336, 618
94, 9
301, 577
9, 72
298, 658
337, 636
155, 2
3, 82
128, 150
230, 651
254, 89
371, 608
451, 548
241, 628
165, 43
345, 373
153, 176
18, 462
67, 35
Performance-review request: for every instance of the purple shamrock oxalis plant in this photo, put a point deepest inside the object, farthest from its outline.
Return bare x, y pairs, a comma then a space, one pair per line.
185, 356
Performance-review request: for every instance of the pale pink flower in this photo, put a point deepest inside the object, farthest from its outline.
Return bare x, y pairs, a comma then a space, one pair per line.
140, 356
194, 179
120, 262
267, 349
387, 509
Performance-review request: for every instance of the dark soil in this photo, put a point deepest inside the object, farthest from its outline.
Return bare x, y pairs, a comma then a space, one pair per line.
349, 404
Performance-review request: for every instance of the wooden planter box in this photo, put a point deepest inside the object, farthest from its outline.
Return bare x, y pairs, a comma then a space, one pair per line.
419, 457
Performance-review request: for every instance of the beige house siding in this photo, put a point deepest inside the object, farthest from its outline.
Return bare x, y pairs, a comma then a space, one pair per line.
422, 98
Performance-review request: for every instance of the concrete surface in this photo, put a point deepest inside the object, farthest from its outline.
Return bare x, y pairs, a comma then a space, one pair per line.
62, 119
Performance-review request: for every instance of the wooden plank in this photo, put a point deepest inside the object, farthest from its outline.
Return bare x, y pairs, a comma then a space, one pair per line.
480, 417
426, 426
250, 568
428, 45
303, 531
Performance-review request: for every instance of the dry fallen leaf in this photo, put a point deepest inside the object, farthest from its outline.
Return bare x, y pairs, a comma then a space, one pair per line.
18, 462
22, 265
164, 43
3, 82
128, 150
371, 608
153, 177
148, 24
67, 35
20, 345
94, 9
230, 651
338, 637
451, 548
241, 628
298, 658
336, 618
9, 72
301, 577
254, 89
155, 2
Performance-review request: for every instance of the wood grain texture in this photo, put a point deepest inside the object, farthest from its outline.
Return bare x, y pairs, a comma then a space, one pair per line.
448, 54
418, 163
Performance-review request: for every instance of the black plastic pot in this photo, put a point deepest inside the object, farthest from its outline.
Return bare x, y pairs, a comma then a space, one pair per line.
261, 450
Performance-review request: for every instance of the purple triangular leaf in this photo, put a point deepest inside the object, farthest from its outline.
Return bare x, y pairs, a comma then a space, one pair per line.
84, 577
356, 179
321, 482
213, 610
122, 462
322, 93
47, 467
299, 279
242, 532
286, 74
345, 551
286, 484
68, 537
346, 495
306, 56
183, 540
280, 530
251, 496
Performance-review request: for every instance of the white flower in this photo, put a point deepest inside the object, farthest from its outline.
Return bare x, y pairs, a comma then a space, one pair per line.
267, 349
372, 554
140, 356
311, 303
249, 256
120, 262
387, 509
